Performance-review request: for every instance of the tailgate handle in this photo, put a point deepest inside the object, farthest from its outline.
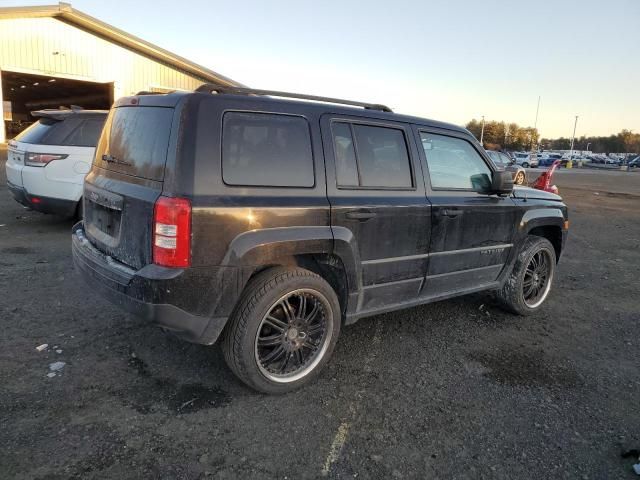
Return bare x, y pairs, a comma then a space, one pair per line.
451, 213
361, 215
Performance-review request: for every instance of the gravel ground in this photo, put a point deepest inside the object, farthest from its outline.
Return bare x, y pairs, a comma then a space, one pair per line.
456, 389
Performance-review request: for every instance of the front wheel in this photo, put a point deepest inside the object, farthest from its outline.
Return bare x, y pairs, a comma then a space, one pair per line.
283, 330
525, 165
529, 283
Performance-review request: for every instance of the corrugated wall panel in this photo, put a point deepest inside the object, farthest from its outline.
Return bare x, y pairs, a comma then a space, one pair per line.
51, 47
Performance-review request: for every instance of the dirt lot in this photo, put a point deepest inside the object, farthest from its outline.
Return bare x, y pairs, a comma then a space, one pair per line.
456, 389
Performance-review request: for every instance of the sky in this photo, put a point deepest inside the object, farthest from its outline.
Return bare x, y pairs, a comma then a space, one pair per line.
446, 60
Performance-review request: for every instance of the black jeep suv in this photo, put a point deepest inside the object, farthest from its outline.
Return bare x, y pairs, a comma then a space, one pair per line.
269, 223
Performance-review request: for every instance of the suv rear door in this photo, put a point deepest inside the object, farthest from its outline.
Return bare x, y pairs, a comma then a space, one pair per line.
473, 233
126, 180
376, 191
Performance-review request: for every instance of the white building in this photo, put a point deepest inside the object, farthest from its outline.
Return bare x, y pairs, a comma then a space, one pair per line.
52, 56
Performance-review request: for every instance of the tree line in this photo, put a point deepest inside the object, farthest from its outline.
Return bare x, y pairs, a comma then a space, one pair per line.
511, 136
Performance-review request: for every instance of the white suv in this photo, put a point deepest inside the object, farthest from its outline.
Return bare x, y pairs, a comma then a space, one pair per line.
526, 160
47, 163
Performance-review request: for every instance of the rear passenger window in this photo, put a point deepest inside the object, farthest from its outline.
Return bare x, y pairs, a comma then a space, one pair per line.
371, 156
263, 149
346, 166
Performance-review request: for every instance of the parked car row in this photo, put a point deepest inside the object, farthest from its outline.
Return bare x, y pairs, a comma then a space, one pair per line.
503, 161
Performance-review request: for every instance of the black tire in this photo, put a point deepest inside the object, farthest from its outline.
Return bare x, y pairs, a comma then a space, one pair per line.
264, 298
525, 165
513, 294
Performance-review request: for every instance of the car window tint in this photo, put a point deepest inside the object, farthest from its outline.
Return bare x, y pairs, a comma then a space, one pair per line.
266, 150
135, 141
47, 131
87, 133
454, 163
383, 159
495, 158
346, 167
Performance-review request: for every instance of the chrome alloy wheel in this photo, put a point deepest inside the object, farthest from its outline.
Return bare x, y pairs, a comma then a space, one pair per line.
537, 279
294, 335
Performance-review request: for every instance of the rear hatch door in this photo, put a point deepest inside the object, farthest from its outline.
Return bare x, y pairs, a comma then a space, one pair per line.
126, 180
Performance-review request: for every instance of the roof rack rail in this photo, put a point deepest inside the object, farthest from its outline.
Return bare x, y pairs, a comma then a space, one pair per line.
211, 88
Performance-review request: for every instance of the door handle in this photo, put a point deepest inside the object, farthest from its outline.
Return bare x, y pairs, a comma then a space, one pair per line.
451, 213
361, 216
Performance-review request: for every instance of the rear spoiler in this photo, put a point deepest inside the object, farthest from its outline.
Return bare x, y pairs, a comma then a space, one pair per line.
57, 115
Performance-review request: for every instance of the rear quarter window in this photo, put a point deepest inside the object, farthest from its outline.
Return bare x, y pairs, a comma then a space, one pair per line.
264, 149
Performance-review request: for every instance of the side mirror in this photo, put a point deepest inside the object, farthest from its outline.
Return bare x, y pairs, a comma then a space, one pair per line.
500, 183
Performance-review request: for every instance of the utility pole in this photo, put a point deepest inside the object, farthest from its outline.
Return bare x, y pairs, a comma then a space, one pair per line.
506, 134
575, 124
535, 124
482, 133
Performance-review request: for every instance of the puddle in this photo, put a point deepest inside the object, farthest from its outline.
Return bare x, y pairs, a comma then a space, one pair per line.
17, 250
525, 368
153, 392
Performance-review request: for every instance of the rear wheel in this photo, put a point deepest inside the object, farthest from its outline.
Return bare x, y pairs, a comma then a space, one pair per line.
525, 164
529, 283
283, 330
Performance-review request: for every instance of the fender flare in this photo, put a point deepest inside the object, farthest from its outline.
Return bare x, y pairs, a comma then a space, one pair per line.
261, 247
539, 217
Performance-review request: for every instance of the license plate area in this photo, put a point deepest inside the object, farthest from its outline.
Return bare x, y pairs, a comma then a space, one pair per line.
104, 219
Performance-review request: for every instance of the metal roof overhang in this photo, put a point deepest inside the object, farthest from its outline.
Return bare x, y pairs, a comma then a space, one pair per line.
65, 13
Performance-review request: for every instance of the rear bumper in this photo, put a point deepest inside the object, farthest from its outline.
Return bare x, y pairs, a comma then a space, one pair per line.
55, 206
134, 291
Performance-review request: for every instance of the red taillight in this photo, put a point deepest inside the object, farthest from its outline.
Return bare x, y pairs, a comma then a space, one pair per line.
172, 232
42, 159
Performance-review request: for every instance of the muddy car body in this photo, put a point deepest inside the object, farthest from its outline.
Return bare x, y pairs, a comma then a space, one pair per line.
270, 223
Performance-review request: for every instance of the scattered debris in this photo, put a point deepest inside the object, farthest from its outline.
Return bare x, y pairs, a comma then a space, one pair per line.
42, 261
635, 453
56, 366
42, 347
51, 374
596, 193
58, 351
3, 225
